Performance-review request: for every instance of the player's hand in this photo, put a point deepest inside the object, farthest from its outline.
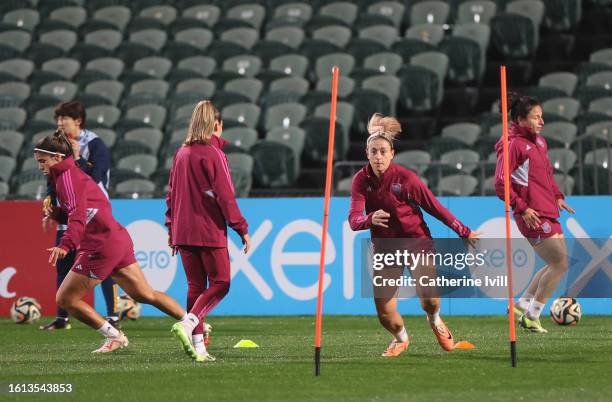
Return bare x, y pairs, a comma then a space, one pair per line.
172, 246
531, 218
246, 241
56, 254
380, 218
564, 205
472, 239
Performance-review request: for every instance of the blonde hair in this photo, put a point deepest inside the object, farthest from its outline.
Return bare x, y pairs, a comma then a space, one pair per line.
202, 124
385, 127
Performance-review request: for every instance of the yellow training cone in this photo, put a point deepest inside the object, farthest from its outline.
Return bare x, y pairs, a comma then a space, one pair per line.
246, 343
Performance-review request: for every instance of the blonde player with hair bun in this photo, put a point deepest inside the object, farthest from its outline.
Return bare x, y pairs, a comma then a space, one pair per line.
392, 198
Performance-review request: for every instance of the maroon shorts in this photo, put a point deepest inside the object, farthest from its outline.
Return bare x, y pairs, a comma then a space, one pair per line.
548, 228
116, 253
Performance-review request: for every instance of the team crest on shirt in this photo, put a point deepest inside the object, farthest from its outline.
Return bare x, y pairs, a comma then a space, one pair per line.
396, 188
546, 227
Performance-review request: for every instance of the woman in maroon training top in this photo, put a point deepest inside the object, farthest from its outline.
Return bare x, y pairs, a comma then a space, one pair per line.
103, 247
201, 204
536, 200
392, 197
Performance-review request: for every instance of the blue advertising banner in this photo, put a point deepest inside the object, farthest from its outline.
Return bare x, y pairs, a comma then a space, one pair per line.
279, 274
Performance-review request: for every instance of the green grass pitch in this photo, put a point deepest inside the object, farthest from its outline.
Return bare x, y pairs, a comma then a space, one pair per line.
568, 363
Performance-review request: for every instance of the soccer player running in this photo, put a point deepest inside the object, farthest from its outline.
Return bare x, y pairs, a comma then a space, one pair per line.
200, 206
392, 197
103, 247
536, 201
93, 158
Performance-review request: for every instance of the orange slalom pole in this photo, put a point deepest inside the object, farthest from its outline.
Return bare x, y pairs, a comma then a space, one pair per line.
328, 183
504, 107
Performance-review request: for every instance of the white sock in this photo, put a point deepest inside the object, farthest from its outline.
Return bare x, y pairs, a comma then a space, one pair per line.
198, 343
108, 330
434, 318
535, 309
190, 321
402, 335
524, 302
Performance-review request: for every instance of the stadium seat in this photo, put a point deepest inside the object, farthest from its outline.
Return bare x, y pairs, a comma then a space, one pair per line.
250, 87
543, 94
62, 90
46, 114
20, 68
12, 118
17, 89
429, 33
384, 34
4, 190
346, 85
366, 102
154, 38
241, 170
298, 11
241, 137
384, 63
394, 10
603, 56
67, 67
207, 13
199, 85
23, 18
103, 115
342, 10
465, 61
565, 182
344, 186
199, 38
559, 134
274, 164
602, 105
245, 65
110, 89
291, 64
284, 115
11, 142
109, 65
532, 9
416, 160
107, 135
63, 39
429, 12
72, 15
360, 48
105, 38
458, 184
345, 113
565, 107
316, 139
407, 48
338, 35
513, 35
148, 136
386, 84
293, 84
293, 137
564, 81
252, 13
33, 189
17, 39
157, 67
245, 37
135, 188
462, 160
290, 36
163, 13
561, 159
562, 15
243, 113
201, 64
156, 87
7, 167
468, 133
602, 79
324, 64
143, 164
476, 12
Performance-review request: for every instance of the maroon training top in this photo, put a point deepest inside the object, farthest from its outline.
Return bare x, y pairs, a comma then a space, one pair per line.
532, 183
200, 198
90, 218
401, 193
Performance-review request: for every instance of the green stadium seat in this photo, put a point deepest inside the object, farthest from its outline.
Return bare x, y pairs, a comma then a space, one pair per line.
274, 164
429, 33
383, 34
241, 137
290, 64
429, 12
476, 12
342, 10
241, 170
416, 160
203, 65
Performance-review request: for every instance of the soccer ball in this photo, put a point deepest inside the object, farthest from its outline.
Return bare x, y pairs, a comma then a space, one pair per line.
565, 311
127, 308
25, 310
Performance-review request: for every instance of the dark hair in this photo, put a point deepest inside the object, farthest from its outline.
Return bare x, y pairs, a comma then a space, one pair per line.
55, 143
72, 109
519, 106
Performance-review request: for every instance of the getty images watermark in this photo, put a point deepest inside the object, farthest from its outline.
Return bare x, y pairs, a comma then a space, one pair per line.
447, 268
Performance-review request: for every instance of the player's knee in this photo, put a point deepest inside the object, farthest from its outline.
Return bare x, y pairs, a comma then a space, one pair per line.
224, 287
63, 300
144, 296
428, 304
561, 266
